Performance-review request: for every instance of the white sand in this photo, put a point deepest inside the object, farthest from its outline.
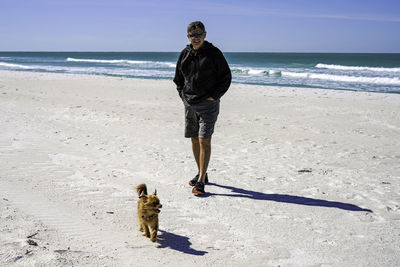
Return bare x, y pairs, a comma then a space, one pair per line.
73, 147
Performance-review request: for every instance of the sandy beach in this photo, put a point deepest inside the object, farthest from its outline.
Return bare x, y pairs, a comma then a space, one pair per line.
298, 176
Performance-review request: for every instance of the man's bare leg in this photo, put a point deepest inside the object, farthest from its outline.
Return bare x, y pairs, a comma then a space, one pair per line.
196, 151
204, 157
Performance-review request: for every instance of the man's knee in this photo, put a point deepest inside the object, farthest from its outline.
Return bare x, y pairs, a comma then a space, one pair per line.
205, 142
195, 140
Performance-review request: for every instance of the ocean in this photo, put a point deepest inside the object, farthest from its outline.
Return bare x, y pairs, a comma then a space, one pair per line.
356, 72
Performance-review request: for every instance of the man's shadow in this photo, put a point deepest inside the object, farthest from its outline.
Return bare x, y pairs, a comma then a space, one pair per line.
177, 242
238, 192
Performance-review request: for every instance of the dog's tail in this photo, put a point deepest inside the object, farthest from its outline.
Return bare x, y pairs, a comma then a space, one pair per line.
140, 189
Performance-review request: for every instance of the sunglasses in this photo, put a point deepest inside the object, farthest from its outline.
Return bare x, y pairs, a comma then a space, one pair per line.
196, 34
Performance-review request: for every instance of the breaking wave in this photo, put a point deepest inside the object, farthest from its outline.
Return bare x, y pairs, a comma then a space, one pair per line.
356, 68
261, 72
321, 76
131, 72
155, 64
13, 66
343, 78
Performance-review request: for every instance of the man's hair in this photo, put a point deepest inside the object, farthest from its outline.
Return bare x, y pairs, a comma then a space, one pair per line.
194, 25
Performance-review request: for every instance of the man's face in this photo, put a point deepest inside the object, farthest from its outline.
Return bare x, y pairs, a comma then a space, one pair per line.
196, 38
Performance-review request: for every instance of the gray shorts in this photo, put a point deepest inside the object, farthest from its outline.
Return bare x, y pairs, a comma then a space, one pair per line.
200, 118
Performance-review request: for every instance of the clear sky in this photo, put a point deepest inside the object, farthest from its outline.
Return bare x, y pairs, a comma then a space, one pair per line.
235, 26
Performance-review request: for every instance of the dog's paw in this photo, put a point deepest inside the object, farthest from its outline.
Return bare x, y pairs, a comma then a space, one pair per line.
153, 239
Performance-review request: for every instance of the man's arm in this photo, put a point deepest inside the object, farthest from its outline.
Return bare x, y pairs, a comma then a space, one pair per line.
178, 79
224, 76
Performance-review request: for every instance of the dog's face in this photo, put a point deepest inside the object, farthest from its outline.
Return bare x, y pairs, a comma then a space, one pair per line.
151, 202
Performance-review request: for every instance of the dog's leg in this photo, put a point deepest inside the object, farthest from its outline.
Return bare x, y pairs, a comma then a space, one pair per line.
154, 233
146, 230
141, 228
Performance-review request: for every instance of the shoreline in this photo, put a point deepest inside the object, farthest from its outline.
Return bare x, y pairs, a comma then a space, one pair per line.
294, 175
51, 75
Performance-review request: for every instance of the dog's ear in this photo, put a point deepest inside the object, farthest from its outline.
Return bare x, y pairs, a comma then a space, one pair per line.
155, 192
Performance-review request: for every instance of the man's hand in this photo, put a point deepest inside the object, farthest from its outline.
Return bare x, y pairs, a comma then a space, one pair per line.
210, 98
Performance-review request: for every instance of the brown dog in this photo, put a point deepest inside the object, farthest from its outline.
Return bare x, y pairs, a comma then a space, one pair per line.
148, 208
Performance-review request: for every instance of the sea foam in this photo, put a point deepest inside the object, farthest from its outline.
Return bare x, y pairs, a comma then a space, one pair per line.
14, 66
343, 78
253, 71
125, 62
356, 68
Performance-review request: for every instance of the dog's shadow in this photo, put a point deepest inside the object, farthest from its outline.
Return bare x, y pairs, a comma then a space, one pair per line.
238, 192
177, 242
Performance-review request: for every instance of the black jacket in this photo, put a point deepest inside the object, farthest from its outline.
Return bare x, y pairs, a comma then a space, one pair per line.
202, 73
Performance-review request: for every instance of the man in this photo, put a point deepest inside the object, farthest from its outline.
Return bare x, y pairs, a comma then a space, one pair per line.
202, 77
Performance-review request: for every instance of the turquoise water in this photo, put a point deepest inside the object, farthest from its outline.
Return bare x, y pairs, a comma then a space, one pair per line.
357, 72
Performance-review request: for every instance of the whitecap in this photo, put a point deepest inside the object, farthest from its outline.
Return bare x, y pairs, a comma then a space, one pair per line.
356, 68
14, 66
124, 62
276, 73
250, 71
343, 78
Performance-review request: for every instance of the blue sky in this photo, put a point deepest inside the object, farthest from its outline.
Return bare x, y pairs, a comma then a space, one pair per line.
246, 25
